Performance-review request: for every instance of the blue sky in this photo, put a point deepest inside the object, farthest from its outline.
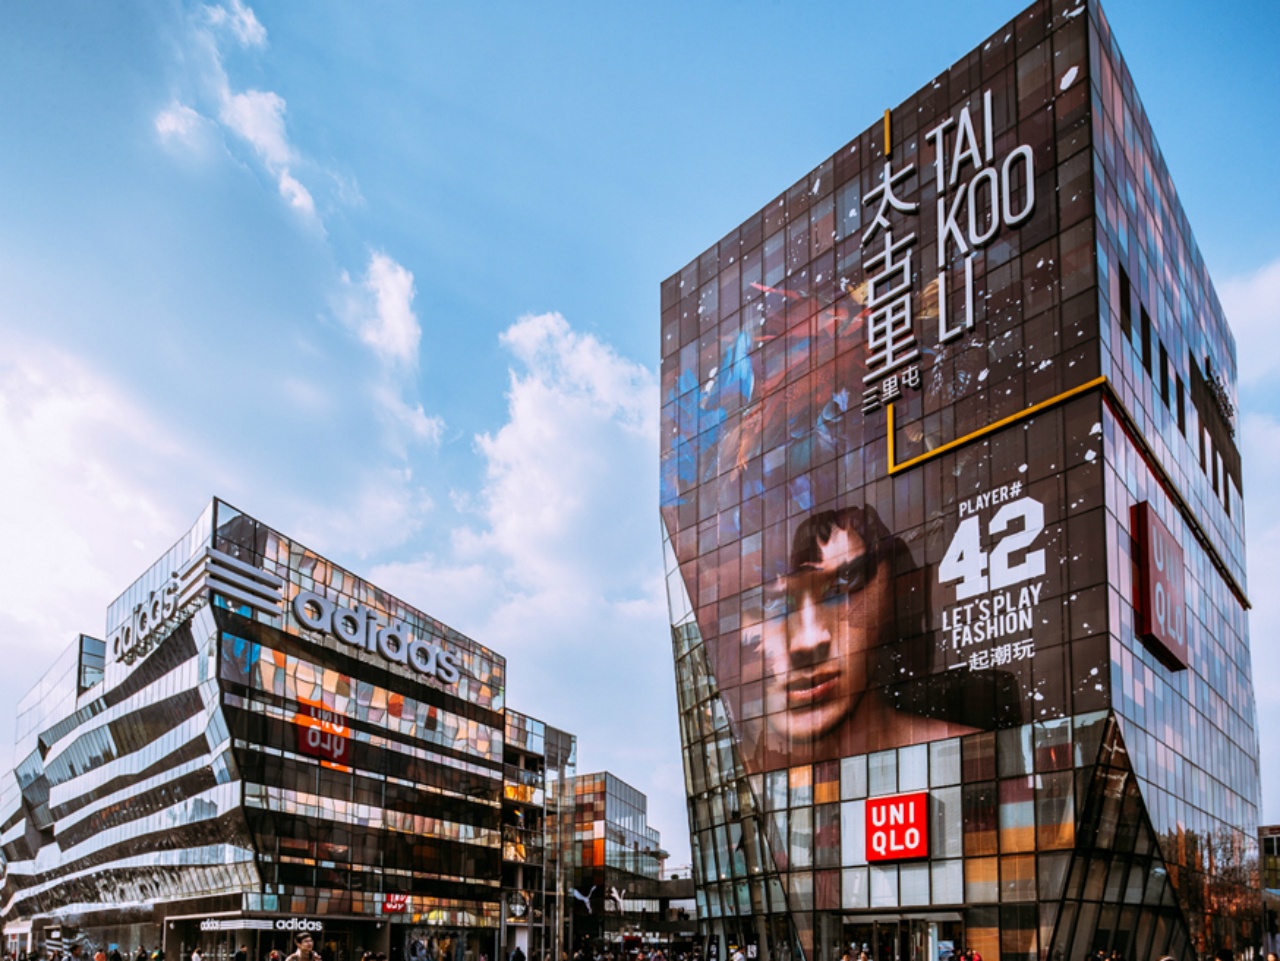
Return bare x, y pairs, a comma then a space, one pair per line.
386, 276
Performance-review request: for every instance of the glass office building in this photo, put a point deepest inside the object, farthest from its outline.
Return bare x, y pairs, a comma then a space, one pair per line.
266, 744
951, 496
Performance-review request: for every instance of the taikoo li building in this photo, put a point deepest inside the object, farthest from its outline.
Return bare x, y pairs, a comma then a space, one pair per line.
955, 545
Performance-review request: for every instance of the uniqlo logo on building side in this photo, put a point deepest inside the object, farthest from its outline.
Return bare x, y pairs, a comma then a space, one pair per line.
395, 903
1160, 592
898, 827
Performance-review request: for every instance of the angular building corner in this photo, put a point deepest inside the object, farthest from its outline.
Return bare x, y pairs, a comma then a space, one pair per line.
951, 499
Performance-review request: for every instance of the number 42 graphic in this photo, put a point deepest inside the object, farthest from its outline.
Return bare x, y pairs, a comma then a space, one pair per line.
979, 572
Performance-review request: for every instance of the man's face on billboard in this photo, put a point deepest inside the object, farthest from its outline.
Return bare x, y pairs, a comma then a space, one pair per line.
820, 621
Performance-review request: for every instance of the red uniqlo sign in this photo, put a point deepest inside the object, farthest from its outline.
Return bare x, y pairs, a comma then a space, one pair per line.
898, 827
395, 903
324, 734
1160, 601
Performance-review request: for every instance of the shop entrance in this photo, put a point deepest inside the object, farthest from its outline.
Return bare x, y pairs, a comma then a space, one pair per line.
335, 946
904, 939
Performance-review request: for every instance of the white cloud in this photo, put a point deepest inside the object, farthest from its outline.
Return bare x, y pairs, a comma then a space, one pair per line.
381, 313
65, 430
1260, 439
386, 510
257, 116
409, 420
97, 484
297, 195
585, 368
240, 20
561, 571
379, 310
389, 324
178, 122
306, 395
383, 501
1252, 306
94, 489
578, 416
188, 134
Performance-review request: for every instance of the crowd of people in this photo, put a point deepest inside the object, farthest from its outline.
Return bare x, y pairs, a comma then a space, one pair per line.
76, 952
304, 950
606, 953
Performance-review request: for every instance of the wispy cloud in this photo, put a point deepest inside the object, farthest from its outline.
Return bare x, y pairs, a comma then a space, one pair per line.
378, 308
391, 327
560, 569
177, 121
1252, 306
559, 543
387, 510
239, 20
95, 486
256, 117
298, 196
574, 406
1260, 439
381, 311
188, 133
411, 419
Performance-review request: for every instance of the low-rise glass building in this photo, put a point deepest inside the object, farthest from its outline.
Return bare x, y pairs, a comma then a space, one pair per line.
265, 743
622, 900
955, 546
537, 839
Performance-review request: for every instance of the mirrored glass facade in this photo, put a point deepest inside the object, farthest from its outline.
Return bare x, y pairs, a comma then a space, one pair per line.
619, 859
265, 743
537, 842
955, 548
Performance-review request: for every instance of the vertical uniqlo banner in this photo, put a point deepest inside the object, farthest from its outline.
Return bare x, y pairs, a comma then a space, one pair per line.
898, 827
1160, 586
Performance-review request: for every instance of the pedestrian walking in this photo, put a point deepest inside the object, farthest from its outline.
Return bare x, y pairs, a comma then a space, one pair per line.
305, 947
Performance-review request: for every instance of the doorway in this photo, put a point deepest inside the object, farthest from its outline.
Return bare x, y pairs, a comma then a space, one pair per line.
904, 939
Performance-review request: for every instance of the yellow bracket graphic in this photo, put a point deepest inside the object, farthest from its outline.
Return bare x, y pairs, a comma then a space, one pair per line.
895, 467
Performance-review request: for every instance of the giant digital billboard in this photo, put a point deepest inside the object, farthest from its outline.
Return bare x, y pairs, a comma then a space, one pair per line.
882, 431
